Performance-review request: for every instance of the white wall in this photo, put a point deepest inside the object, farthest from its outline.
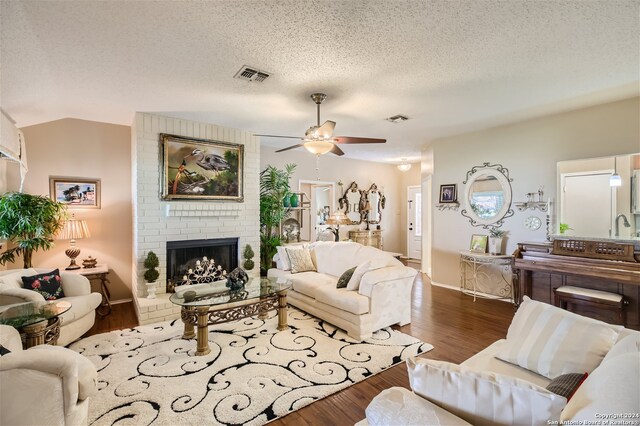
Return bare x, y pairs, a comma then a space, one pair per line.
530, 150
156, 221
387, 177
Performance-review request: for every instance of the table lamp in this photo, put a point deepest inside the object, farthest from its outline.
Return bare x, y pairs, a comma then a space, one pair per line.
367, 210
73, 229
338, 218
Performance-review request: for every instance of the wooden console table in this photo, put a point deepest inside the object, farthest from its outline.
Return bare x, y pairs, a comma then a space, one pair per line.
371, 238
540, 272
99, 273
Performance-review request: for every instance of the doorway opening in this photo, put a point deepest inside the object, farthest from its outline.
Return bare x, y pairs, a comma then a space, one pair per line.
322, 197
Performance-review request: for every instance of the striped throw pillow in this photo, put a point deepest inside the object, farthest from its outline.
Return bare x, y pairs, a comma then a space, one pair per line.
551, 341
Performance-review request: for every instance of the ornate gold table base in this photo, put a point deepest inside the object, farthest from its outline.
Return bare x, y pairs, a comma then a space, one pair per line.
204, 316
40, 333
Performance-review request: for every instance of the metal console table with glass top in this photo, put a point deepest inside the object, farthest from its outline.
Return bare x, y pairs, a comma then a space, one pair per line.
213, 303
486, 274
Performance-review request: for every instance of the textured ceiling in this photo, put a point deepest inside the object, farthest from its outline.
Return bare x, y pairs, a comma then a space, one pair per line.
452, 66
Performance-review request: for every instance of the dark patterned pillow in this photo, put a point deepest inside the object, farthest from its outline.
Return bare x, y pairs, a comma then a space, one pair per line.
567, 384
345, 277
47, 284
4, 351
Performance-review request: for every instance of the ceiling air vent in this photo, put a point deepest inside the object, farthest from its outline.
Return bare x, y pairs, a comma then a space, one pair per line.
397, 118
248, 73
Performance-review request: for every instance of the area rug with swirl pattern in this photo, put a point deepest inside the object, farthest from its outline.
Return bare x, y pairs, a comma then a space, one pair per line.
254, 373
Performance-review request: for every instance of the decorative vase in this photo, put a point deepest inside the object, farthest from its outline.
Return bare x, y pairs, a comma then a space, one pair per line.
286, 201
495, 245
151, 290
294, 199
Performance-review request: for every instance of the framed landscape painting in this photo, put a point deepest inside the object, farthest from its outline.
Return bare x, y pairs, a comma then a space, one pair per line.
200, 169
75, 192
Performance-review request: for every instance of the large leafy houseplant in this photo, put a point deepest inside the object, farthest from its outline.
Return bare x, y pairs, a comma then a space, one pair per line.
30, 223
274, 185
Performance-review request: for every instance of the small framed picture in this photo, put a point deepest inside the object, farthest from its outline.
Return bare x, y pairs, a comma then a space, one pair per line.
75, 192
448, 193
479, 243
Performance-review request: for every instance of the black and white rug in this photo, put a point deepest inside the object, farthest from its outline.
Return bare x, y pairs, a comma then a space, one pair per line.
254, 374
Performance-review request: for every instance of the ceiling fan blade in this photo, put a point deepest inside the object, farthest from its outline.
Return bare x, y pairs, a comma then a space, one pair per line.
336, 150
278, 136
290, 147
349, 139
326, 130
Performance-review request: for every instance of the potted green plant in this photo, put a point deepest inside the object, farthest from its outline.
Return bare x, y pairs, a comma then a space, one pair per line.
274, 185
151, 275
564, 227
248, 254
29, 223
496, 237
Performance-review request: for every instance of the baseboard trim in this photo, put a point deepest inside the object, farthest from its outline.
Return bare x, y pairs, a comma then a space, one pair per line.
117, 302
445, 285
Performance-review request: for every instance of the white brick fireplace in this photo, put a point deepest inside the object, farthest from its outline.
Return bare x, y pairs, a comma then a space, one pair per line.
155, 221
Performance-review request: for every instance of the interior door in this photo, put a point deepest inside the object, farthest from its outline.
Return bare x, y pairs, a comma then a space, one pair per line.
414, 222
583, 208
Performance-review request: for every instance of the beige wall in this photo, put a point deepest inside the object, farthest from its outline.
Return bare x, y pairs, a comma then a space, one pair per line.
333, 169
530, 150
79, 148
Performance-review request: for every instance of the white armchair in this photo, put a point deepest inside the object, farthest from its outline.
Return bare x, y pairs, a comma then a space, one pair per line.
44, 384
77, 290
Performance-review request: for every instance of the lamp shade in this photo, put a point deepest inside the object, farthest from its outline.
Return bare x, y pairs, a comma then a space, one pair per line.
318, 146
74, 229
338, 218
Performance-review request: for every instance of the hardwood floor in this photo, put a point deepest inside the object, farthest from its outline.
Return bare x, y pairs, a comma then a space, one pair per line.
453, 323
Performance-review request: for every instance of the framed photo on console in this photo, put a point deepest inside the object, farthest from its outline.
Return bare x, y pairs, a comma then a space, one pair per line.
448, 193
478, 243
201, 169
75, 192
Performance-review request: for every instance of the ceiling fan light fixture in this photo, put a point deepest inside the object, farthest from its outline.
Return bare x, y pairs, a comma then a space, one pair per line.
404, 166
318, 146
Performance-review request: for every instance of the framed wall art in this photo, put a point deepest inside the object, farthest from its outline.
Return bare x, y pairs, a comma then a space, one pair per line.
448, 193
75, 192
478, 243
200, 169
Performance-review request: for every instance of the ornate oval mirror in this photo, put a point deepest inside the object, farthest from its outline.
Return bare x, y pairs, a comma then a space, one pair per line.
487, 195
374, 205
352, 201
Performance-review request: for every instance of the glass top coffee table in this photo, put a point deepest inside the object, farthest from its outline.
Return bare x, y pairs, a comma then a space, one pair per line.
37, 322
213, 303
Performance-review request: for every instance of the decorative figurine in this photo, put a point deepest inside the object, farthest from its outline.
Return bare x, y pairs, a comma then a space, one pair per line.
237, 279
89, 262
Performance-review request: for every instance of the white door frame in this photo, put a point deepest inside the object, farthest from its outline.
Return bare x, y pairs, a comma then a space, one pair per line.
427, 219
313, 207
410, 219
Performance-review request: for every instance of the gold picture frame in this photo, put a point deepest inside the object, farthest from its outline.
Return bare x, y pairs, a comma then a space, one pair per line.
75, 192
479, 243
201, 169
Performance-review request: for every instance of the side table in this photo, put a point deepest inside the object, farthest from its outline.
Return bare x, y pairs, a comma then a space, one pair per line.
100, 273
486, 273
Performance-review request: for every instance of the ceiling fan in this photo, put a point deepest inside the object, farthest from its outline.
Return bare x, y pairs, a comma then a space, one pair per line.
319, 139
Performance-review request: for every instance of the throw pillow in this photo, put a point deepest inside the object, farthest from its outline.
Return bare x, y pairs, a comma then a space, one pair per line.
551, 341
567, 384
345, 277
300, 260
4, 351
483, 398
358, 273
47, 284
612, 388
282, 254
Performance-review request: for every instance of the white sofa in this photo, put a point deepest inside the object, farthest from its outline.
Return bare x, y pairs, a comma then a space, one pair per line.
383, 297
77, 290
612, 388
43, 385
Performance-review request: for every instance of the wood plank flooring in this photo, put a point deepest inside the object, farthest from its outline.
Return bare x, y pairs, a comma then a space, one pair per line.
452, 322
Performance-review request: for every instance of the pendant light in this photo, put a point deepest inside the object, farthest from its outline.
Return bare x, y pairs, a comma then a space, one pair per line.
615, 179
404, 166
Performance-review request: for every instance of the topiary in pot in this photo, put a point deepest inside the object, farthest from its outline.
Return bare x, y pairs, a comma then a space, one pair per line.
29, 223
248, 258
151, 274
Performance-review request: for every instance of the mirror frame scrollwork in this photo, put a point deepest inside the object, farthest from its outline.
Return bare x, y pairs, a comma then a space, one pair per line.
344, 202
502, 175
381, 203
